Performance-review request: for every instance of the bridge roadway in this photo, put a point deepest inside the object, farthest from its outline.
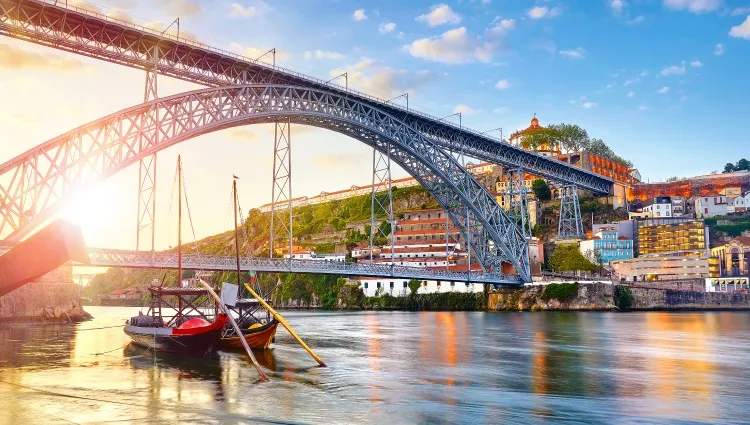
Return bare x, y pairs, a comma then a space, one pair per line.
87, 33
168, 260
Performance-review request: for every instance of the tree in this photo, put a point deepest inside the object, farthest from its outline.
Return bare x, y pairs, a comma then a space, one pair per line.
672, 179
742, 165
534, 139
414, 285
541, 190
729, 168
567, 257
571, 137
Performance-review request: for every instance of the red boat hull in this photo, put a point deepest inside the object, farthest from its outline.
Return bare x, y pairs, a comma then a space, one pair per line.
195, 340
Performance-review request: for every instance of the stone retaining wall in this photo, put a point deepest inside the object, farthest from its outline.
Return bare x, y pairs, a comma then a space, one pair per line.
592, 296
659, 299
54, 297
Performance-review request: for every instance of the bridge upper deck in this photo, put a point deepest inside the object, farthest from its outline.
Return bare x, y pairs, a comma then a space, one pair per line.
49, 23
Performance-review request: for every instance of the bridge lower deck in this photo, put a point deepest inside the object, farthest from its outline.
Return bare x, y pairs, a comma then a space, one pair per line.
168, 260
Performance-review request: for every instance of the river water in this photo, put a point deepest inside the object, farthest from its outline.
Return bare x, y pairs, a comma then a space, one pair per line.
394, 367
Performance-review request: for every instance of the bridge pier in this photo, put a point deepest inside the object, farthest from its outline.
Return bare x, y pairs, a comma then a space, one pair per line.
518, 206
570, 225
146, 217
281, 189
381, 179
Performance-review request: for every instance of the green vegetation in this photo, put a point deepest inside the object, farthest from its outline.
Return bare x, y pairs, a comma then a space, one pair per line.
541, 190
567, 257
562, 292
742, 165
414, 285
623, 297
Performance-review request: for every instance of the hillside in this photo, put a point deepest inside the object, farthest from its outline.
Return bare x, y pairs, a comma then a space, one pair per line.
322, 227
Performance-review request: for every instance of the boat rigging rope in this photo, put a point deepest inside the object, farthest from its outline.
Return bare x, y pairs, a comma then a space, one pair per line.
103, 327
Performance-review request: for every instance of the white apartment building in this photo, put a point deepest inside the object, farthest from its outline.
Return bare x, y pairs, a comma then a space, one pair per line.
400, 287
710, 206
312, 255
658, 210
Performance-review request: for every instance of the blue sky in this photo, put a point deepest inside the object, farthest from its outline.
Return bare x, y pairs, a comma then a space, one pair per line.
663, 82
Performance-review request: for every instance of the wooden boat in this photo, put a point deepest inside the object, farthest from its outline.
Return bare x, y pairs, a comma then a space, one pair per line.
192, 323
258, 337
257, 326
196, 334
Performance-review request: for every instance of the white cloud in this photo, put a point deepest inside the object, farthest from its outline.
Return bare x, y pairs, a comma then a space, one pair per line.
740, 11
637, 20
631, 94
695, 6
589, 105
464, 109
454, 46
322, 54
696, 64
256, 52
503, 25
742, 30
719, 49
539, 12
663, 90
386, 28
257, 8
440, 14
617, 5
633, 81
502, 84
642, 108
180, 7
371, 77
359, 15
577, 53
501, 110
17, 58
673, 70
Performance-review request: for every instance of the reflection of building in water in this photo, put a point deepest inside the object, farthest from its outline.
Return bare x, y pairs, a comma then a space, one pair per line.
681, 366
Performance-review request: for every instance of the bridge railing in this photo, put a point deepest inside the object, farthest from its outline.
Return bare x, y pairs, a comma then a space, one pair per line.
168, 260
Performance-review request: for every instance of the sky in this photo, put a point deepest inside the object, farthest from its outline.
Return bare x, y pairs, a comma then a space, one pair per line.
663, 82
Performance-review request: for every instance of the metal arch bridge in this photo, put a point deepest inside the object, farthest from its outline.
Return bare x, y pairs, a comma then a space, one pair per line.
168, 260
35, 183
98, 36
39, 180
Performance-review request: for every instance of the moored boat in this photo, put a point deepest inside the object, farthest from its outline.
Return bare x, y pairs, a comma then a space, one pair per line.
255, 323
195, 334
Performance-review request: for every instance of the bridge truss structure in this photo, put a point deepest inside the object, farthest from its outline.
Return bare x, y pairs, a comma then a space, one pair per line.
92, 34
34, 184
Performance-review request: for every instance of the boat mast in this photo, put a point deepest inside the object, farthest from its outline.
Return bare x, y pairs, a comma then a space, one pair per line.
179, 221
236, 232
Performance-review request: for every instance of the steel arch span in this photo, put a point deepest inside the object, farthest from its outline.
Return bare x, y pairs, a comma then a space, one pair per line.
35, 184
74, 29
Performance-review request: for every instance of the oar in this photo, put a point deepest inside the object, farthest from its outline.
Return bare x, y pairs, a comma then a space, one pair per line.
281, 320
236, 329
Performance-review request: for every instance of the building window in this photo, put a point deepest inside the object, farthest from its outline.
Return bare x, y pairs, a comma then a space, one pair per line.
365, 285
378, 284
391, 285
406, 284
